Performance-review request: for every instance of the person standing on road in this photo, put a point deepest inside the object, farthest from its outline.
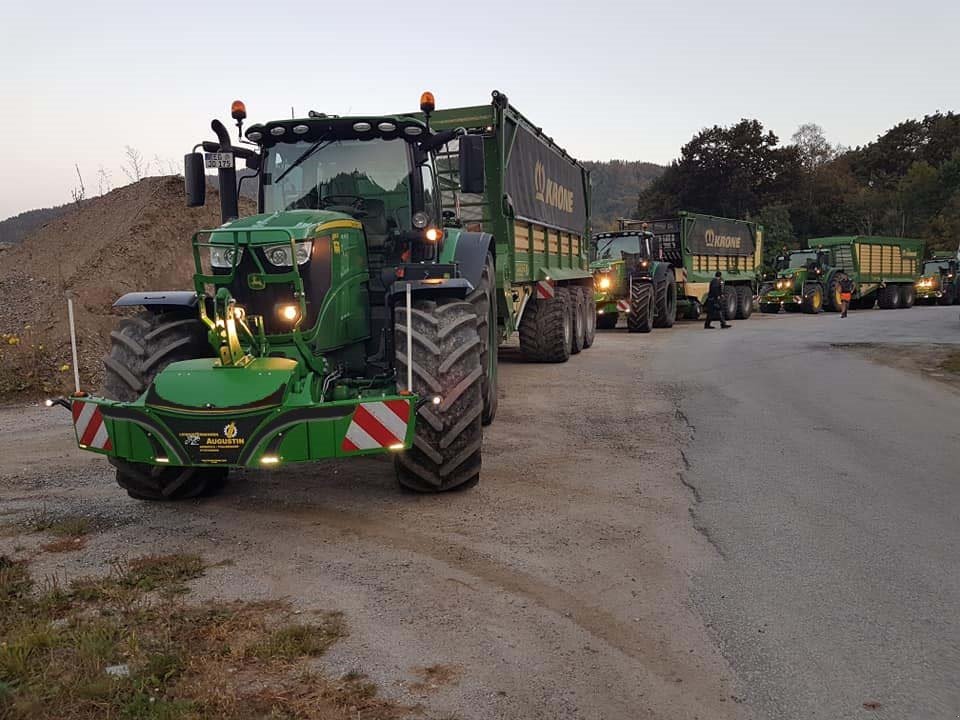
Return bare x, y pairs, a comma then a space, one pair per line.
715, 303
846, 292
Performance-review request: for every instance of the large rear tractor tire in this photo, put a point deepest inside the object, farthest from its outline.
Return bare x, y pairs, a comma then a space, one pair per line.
640, 317
546, 330
889, 298
744, 302
575, 300
666, 303
589, 316
812, 299
446, 350
833, 302
607, 321
948, 296
908, 296
485, 307
140, 348
729, 302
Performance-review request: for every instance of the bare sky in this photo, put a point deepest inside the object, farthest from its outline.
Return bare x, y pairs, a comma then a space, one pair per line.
79, 81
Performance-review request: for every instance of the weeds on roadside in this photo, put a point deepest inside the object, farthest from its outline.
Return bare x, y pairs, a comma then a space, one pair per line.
110, 647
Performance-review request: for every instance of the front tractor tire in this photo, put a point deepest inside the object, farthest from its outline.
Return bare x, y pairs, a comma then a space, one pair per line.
485, 308
546, 329
140, 348
744, 302
812, 299
666, 303
446, 363
640, 317
589, 316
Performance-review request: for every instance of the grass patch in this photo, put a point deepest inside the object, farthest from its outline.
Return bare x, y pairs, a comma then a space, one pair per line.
61, 526
296, 641
167, 659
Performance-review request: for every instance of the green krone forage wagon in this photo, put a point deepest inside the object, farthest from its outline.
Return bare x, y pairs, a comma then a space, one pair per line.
360, 311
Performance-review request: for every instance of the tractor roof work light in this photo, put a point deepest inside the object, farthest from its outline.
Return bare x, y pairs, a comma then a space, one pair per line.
427, 102
238, 111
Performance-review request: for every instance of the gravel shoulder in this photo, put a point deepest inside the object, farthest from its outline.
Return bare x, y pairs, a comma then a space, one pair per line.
558, 588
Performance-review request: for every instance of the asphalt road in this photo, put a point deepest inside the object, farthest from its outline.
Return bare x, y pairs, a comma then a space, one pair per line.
830, 486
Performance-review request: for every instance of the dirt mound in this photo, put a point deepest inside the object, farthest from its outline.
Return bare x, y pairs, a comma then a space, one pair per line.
134, 238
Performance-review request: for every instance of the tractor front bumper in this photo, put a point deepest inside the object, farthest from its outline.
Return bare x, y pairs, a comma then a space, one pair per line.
781, 297
244, 436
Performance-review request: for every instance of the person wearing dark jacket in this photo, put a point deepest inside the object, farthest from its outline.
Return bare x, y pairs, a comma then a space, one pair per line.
715, 303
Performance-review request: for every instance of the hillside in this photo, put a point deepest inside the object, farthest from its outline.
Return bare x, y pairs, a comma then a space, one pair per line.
616, 186
16, 228
133, 238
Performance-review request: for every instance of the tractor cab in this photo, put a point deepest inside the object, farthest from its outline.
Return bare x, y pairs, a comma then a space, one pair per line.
346, 207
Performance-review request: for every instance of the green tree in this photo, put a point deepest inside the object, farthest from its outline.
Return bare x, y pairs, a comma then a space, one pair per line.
729, 171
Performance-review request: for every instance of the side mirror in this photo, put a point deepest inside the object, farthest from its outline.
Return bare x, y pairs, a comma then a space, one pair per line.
472, 175
195, 179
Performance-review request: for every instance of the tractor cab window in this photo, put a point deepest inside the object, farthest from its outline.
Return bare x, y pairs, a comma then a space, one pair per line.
800, 259
611, 248
369, 176
933, 267
429, 199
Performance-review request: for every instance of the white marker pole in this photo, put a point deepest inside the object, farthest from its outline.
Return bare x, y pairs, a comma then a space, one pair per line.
73, 344
409, 337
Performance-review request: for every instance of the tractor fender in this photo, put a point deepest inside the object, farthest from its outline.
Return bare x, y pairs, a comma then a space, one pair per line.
155, 301
450, 287
470, 254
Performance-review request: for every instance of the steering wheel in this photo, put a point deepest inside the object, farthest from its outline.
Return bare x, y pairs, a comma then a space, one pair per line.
349, 203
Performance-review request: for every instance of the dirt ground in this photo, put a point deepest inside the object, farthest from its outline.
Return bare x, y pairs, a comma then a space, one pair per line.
557, 588
935, 362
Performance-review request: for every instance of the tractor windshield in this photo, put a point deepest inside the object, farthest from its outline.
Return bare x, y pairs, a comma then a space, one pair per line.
341, 172
800, 259
932, 267
611, 248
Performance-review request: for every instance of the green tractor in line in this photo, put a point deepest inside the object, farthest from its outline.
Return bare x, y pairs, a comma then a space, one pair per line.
352, 316
805, 282
939, 282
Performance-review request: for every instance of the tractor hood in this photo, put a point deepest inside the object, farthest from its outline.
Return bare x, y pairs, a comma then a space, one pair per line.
793, 274
301, 224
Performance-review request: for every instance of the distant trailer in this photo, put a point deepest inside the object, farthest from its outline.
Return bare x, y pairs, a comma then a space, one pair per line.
884, 269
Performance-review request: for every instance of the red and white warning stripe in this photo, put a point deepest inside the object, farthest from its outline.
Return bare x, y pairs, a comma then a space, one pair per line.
377, 425
90, 427
623, 305
545, 289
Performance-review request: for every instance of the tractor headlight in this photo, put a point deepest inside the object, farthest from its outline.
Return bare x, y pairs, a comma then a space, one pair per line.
279, 255
225, 257
604, 283
289, 313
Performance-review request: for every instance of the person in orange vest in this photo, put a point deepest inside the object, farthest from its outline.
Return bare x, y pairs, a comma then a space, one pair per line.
846, 292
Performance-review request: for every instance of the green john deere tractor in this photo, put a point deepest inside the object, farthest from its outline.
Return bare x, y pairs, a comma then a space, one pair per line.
805, 281
939, 283
352, 316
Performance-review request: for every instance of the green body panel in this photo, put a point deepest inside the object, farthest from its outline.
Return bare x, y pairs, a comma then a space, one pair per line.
343, 317
188, 382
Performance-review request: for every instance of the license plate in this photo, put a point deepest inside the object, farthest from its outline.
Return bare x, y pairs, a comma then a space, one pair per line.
219, 160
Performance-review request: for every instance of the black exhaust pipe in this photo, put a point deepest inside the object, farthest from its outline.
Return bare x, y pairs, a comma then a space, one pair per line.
229, 209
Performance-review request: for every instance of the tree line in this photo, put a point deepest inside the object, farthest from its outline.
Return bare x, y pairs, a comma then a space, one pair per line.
905, 184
